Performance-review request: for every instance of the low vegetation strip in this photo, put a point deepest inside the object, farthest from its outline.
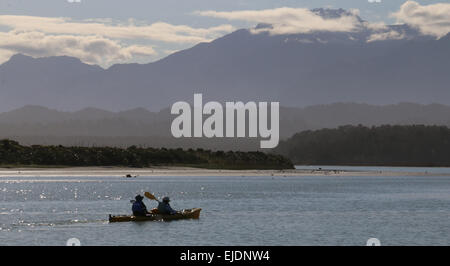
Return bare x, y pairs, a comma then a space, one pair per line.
14, 154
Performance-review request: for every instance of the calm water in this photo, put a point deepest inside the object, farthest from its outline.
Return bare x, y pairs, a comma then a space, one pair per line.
412, 210
424, 170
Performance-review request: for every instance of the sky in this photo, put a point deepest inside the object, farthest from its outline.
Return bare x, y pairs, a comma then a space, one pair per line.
106, 32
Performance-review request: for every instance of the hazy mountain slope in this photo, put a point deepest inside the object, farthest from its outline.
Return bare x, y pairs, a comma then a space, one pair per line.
91, 126
54, 82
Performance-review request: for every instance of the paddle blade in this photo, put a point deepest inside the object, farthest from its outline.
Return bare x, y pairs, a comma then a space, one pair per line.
150, 196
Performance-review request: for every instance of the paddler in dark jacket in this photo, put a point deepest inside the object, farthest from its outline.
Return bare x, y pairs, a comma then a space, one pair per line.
164, 207
139, 208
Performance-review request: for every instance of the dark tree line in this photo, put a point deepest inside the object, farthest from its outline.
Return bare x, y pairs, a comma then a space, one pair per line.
14, 154
358, 145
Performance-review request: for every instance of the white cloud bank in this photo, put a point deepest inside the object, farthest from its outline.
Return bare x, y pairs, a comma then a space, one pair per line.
287, 20
90, 49
388, 35
94, 41
431, 19
159, 31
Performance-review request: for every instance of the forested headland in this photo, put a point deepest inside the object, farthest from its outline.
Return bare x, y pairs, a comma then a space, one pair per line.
415, 145
12, 154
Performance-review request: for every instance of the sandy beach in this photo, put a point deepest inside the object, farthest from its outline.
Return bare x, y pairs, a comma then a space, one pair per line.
188, 171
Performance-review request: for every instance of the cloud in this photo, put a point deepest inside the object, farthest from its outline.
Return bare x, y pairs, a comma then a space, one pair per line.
5, 55
374, 1
383, 36
95, 41
287, 20
170, 51
159, 31
376, 26
431, 19
89, 49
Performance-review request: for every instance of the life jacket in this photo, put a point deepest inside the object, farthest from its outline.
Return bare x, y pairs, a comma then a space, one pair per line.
139, 208
164, 208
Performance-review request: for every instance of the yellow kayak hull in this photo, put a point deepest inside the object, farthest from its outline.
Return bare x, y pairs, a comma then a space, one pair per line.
184, 214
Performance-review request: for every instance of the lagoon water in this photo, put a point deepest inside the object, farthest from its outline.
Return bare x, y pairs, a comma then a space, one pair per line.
305, 210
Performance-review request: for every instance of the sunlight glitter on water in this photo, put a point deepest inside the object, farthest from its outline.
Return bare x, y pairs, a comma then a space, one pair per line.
315, 210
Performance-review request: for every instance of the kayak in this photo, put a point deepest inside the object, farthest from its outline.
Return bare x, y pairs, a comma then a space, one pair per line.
154, 216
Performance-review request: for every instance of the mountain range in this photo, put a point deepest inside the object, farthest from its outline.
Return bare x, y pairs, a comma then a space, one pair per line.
91, 126
298, 70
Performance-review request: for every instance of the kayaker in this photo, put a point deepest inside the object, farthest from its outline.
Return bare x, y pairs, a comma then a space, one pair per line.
139, 208
164, 207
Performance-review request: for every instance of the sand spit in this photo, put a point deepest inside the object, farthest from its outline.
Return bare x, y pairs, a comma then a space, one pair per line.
187, 171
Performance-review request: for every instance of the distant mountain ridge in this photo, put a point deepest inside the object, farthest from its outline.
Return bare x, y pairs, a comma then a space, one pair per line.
297, 70
139, 126
30, 114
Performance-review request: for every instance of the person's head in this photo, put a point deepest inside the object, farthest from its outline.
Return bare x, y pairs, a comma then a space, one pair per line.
166, 199
139, 198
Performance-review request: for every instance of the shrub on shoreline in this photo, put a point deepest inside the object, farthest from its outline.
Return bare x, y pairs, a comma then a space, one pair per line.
12, 153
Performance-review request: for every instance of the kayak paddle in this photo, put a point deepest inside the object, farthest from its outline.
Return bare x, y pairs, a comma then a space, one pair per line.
150, 196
